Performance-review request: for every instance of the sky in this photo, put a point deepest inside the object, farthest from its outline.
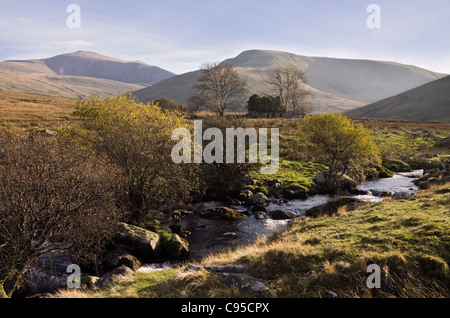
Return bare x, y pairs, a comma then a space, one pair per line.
180, 35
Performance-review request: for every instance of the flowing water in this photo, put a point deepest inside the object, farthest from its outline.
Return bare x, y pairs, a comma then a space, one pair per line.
209, 236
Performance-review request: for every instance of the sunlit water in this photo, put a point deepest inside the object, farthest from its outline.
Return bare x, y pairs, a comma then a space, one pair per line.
210, 236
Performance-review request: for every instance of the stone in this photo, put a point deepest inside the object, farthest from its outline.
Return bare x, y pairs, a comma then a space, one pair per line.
258, 198
300, 195
247, 285
88, 281
331, 294
176, 247
283, 215
114, 276
231, 235
117, 258
260, 215
258, 208
140, 242
383, 194
47, 274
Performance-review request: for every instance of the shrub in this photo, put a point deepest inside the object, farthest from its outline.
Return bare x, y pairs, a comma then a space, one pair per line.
52, 198
137, 139
345, 148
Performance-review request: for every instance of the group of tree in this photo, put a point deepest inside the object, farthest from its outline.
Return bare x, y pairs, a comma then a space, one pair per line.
220, 88
258, 103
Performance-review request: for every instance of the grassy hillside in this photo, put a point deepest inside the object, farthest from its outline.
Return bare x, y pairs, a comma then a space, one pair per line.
430, 102
335, 84
408, 239
78, 75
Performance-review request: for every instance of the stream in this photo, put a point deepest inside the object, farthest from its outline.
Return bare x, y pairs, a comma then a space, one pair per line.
209, 236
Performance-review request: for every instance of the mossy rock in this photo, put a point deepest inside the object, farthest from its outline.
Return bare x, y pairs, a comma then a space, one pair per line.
244, 195
140, 242
175, 247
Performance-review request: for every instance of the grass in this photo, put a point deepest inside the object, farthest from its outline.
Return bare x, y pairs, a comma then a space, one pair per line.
294, 175
35, 112
408, 239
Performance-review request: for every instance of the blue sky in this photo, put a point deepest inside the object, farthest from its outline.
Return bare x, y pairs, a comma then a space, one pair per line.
180, 35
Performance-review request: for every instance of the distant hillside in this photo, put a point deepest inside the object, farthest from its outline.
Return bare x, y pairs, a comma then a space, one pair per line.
78, 75
429, 102
335, 84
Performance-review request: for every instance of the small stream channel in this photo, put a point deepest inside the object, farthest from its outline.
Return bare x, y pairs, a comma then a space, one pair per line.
209, 236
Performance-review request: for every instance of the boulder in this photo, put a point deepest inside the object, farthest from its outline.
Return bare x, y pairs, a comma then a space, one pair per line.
300, 195
258, 198
47, 274
175, 247
140, 242
117, 258
114, 276
284, 215
258, 208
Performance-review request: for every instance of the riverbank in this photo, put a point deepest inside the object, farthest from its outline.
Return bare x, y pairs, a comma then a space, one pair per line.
409, 239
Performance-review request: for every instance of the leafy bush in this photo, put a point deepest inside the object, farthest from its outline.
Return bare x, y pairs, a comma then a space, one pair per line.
137, 139
266, 104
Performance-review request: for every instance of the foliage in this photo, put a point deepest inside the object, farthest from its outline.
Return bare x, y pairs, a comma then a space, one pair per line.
170, 105
335, 141
52, 198
266, 104
137, 139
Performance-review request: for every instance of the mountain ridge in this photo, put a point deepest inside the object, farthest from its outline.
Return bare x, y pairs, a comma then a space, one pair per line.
78, 74
335, 84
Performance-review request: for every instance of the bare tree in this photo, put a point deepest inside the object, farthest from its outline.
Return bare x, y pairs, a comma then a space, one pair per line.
51, 199
289, 82
219, 87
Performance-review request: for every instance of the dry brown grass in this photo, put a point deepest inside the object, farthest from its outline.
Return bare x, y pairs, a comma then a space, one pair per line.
27, 111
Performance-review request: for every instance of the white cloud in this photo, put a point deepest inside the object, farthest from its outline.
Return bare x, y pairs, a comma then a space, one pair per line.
73, 45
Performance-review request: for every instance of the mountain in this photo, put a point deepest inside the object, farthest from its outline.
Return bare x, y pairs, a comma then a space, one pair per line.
429, 102
335, 84
79, 75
